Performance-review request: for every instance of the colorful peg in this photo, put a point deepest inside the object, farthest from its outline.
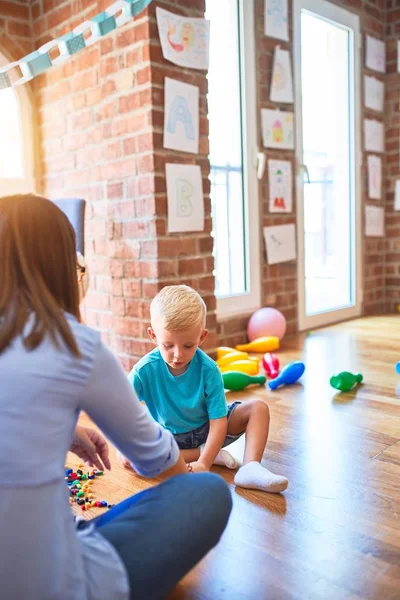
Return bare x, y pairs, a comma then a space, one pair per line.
236, 381
223, 350
271, 365
262, 344
251, 367
231, 357
290, 374
344, 381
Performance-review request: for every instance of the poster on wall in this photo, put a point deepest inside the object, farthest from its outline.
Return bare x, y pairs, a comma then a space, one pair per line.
281, 82
374, 92
374, 140
184, 41
374, 177
374, 221
375, 54
280, 186
185, 197
181, 116
280, 243
277, 129
276, 19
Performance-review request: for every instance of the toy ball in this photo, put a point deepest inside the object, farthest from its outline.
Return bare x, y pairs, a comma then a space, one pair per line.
266, 321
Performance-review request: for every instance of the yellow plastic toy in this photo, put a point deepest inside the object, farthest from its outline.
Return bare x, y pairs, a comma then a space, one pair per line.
250, 367
222, 350
262, 345
233, 356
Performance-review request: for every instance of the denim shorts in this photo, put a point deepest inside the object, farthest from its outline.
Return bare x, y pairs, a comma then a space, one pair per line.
197, 437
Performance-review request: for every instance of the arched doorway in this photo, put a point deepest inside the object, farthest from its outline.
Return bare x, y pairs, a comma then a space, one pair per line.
17, 164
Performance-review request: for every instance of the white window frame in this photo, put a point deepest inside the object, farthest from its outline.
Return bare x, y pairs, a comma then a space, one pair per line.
27, 183
336, 14
241, 304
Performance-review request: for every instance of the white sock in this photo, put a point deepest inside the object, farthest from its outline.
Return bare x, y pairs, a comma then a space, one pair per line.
254, 476
223, 458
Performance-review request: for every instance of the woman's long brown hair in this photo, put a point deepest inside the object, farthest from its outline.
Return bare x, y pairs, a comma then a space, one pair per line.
38, 272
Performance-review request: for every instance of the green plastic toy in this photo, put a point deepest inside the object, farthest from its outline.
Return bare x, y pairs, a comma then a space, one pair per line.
345, 381
236, 381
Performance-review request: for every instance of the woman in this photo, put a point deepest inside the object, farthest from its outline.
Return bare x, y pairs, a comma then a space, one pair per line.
51, 368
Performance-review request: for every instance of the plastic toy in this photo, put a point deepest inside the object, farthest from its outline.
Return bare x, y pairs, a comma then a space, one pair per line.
345, 381
398, 368
222, 350
266, 321
263, 344
235, 381
270, 363
232, 356
290, 374
251, 367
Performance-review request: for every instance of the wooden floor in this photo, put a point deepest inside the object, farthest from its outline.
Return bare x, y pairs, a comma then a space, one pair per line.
335, 533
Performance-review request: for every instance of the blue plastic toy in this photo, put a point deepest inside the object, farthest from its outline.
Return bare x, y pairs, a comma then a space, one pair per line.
398, 368
290, 374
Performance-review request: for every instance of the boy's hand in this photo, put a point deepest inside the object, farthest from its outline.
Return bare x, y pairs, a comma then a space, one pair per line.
197, 467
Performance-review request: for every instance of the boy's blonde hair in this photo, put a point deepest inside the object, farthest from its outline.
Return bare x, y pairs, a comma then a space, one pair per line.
179, 307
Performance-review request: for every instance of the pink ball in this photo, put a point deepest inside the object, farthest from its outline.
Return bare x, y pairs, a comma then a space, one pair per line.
266, 322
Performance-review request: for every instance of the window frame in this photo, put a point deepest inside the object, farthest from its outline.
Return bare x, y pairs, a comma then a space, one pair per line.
27, 183
241, 304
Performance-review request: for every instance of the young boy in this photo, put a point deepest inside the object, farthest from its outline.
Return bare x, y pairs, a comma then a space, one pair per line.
183, 390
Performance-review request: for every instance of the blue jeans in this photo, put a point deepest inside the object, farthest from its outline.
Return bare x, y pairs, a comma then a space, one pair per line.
162, 533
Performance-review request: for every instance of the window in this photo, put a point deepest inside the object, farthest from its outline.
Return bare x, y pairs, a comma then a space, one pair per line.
16, 140
233, 149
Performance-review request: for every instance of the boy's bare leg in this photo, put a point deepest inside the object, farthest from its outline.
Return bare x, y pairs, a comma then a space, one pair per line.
190, 455
253, 417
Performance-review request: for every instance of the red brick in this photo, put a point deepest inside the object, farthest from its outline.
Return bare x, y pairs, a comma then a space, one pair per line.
19, 29
132, 288
59, 16
106, 45
10, 9
84, 81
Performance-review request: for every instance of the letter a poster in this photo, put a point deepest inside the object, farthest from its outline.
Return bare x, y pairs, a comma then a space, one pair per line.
181, 116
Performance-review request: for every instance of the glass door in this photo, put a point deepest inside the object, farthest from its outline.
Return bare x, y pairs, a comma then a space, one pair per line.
328, 174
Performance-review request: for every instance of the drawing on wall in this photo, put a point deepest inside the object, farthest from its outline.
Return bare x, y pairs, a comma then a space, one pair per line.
276, 19
374, 221
373, 136
184, 41
181, 116
374, 91
185, 197
277, 129
281, 82
374, 177
280, 185
280, 242
375, 54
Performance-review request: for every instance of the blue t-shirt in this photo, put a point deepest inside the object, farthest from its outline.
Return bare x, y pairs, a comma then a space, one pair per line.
180, 403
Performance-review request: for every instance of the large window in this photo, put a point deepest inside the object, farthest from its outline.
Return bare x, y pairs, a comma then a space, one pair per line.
16, 140
232, 135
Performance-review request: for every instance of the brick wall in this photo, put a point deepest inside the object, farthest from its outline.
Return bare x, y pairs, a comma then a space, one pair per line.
15, 28
392, 172
101, 121
280, 281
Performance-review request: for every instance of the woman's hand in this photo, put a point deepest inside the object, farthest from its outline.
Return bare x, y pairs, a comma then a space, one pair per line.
91, 447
